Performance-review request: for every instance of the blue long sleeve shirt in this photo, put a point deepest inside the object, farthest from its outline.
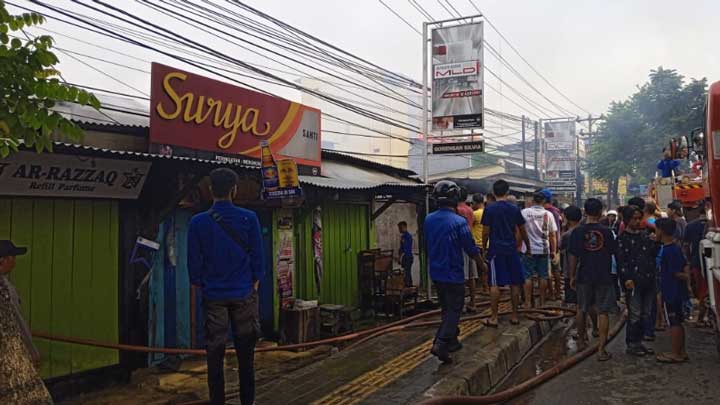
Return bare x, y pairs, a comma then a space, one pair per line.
216, 263
448, 235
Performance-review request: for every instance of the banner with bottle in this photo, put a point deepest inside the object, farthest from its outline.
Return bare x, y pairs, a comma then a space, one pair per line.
279, 177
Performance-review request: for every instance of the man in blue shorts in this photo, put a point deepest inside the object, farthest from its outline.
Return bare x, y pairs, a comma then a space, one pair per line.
500, 221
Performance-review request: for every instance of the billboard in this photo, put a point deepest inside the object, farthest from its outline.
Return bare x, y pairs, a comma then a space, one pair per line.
457, 77
192, 115
560, 156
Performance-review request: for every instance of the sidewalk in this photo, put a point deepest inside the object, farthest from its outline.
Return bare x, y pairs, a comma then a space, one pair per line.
398, 368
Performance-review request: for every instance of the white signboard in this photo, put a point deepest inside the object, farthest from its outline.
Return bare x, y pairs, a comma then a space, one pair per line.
457, 77
560, 150
57, 175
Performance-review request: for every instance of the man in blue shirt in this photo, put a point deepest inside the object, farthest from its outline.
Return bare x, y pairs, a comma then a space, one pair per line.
226, 261
448, 235
406, 253
668, 164
500, 221
674, 271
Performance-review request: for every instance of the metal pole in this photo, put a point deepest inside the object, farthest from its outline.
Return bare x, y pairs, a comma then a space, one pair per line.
537, 152
578, 188
539, 146
589, 176
523, 147
425, 138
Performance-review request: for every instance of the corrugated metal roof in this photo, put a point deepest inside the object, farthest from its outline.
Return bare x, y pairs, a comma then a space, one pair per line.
153, 156
346, 176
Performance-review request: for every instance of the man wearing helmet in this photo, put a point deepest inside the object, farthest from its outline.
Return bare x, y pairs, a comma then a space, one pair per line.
447, 235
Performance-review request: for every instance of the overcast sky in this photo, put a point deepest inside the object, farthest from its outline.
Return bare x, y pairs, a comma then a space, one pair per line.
594, 51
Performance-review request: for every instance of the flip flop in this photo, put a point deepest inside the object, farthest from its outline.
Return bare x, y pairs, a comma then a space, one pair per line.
515, 322
490, 324
665, 358
604, 356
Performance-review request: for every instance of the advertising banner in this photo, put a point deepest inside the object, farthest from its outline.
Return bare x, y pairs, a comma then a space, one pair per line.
458, 147
285, 260
57, 175
457, 77
197, 116
560, 156
279, 178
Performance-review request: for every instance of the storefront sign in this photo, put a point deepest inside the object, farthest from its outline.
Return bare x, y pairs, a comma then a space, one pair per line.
458, 147
190, 113
457, 77
56, 175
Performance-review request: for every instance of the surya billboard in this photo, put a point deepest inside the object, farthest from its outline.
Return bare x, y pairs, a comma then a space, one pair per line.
197, 116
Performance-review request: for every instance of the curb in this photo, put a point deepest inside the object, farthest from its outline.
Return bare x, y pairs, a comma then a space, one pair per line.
482, 368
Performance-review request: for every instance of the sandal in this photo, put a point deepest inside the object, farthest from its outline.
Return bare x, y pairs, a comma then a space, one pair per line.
638, 351
490, 324
668, 359
514, 322
604, 356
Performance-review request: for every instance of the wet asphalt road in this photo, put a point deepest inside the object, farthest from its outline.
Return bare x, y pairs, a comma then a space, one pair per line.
631, 380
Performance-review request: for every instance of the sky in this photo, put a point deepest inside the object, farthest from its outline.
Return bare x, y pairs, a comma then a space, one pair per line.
593, 51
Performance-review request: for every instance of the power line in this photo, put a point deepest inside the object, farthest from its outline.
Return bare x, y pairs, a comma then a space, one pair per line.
421, 10
400, 17
525, 60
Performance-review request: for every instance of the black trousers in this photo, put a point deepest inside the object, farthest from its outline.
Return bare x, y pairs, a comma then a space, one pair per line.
242, 316
407, 263
452, 299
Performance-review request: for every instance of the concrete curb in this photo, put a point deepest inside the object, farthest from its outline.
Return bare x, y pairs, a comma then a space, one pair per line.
482, 368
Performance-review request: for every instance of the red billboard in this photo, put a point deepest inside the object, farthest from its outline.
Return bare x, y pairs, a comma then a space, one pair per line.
199, 116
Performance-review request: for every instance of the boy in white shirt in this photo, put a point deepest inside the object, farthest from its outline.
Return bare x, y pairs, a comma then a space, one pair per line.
542, 231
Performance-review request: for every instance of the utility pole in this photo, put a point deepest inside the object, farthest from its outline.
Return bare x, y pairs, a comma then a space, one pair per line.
590, 120
523, 147
537, 150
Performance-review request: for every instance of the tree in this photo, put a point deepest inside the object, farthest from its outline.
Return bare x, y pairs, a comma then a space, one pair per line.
31, 87
631, 139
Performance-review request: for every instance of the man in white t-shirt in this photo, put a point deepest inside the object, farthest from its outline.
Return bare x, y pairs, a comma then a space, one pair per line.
542, 231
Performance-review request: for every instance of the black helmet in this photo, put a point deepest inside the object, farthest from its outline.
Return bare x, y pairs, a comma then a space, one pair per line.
446, 192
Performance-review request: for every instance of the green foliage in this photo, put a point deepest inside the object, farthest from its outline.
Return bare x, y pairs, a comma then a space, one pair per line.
631, 139
31, 87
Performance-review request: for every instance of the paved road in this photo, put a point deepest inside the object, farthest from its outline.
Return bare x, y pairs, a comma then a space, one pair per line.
631, 380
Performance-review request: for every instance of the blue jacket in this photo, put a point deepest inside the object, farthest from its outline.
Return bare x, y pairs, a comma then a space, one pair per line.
448, 235
216, 263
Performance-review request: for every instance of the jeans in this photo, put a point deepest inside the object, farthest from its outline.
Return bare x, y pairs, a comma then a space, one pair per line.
640, 303
649, 329
242, 316
407, 263
452, 300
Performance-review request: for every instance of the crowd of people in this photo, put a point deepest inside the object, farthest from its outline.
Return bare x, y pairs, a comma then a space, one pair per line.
636, 256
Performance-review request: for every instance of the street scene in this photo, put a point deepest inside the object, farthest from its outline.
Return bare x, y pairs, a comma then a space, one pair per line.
375, 202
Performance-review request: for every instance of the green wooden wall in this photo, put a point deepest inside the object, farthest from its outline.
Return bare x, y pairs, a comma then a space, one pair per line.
346, 231
68, 282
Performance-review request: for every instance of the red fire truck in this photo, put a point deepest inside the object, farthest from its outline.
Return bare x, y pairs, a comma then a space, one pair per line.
708, 146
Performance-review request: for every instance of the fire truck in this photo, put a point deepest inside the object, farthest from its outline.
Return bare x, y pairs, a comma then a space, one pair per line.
707, 145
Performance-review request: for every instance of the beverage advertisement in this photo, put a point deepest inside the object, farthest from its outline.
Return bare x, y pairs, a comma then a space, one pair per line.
280, 178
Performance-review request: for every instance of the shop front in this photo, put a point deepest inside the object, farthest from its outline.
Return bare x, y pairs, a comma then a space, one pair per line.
65, 207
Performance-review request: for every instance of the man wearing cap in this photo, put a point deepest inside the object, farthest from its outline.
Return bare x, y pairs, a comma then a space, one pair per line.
20, 382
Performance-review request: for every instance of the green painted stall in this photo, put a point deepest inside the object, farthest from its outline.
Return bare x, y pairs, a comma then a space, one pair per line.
68, 282
345, 232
